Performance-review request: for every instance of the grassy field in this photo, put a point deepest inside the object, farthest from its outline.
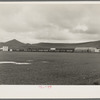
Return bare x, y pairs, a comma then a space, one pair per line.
50, 68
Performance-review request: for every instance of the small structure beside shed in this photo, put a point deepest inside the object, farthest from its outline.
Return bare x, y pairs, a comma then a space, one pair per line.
53, 49
10, 49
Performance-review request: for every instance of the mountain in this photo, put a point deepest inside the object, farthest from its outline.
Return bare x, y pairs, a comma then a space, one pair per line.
15, 44
14, 41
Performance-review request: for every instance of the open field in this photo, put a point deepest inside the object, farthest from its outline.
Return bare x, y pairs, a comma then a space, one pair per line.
49, 68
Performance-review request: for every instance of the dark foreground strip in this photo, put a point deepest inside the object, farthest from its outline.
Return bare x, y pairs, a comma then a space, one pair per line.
42, 0
56, 99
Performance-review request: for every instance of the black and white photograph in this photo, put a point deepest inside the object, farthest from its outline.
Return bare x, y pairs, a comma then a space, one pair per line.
49, 44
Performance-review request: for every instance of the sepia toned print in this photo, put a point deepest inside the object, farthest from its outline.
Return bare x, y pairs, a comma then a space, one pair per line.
49, 44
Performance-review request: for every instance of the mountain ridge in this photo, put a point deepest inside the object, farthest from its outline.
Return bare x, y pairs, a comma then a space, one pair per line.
17, 44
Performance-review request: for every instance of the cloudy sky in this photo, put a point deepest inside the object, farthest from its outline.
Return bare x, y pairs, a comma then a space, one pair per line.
59, 23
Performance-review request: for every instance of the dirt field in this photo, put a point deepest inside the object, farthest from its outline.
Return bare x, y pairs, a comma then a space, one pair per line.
49, 68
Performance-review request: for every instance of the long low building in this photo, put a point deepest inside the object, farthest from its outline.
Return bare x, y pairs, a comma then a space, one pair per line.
50, 49
65, 49
86, 49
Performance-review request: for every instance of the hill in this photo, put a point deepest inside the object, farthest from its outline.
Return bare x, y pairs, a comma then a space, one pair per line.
69, 45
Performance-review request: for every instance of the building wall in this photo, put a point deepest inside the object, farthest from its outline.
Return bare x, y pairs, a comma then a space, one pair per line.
65, 49
5, 48
97, 50
86, 49
1, 49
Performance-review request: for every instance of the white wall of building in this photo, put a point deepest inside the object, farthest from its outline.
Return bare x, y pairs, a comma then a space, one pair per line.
52, 49
5, 48
86, 49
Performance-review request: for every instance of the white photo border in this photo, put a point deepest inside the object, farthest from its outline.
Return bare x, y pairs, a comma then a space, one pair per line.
56, 91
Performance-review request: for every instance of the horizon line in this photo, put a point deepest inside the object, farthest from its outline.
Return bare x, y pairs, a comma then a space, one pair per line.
51, 42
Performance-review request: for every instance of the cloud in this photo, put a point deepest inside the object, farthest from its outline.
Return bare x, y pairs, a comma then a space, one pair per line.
80, 28
50, 22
